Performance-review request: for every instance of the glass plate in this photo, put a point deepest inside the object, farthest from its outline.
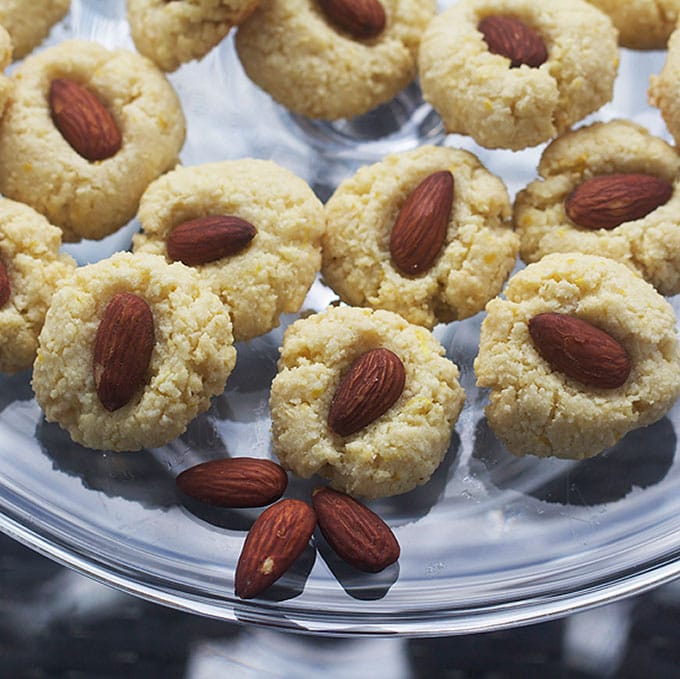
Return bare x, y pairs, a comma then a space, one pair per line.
492, 540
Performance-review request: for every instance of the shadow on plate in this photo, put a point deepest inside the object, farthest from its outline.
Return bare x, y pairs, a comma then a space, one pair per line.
147, 476
199, 443
409, 507
640, 460
247, 392
14, 388
357, 583
240, 519
138, 477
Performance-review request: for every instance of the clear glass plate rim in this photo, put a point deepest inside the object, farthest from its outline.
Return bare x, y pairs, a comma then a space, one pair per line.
441, 620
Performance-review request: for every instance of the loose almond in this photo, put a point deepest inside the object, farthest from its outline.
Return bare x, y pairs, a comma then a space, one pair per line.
122, 349
207, 239
362, 19
580, 350
605, 201
5, 289
420, 229
512, 38
356, 533
234, 482
276, 539
83, 120
369, 389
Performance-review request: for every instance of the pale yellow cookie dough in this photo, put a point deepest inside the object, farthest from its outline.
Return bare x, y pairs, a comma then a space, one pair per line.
664, 88
479, 253
5, 60
39, 167
29, 251
396, 452
172, 33
274, 272
191, 360
29, 21
642, 24
291, 51
650, 245
537, 410
477, 93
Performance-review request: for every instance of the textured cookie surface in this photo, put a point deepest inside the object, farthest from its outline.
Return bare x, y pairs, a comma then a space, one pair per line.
274, 272
192, 357
642, 24
664, 88
650, 245
397, 451
478, 254
535, 409
29, 252
172, 33
477, 93
5, 60
39, 167
28, 23
289, 49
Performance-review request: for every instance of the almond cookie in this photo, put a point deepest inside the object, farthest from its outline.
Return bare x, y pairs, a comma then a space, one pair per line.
664, 88
190, 345
554, 389
317, 66
643, 24
172, 33
28, 23
31, 268
122, 95
404, 399
571, 206
559, 66
271, 216
380, 225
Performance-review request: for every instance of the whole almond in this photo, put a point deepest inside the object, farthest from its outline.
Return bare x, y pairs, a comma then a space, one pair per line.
356, 533
580, 350
5, 289
360, 18
83, 120
276, 539
512, 38
605, 201
369, 389
420, 229
234, 482
122, 349
207, 239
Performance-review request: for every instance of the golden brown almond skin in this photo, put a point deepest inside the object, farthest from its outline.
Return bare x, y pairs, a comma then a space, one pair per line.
5, 288
122, 349
512, 38
362, 19
371, 386
207, 239
580, 350
355, 532
605, 201
83, 120
234, 482
419, 232
276, 539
